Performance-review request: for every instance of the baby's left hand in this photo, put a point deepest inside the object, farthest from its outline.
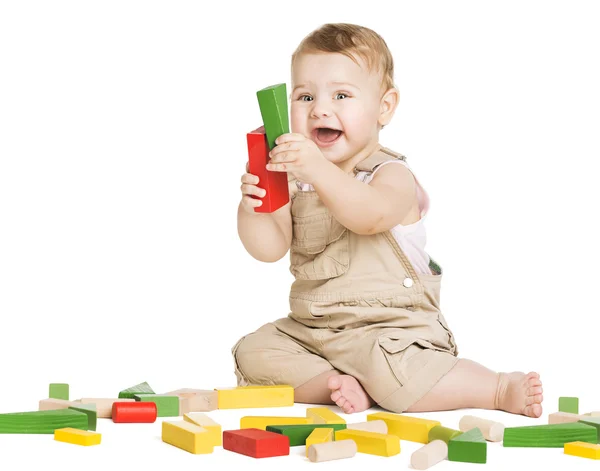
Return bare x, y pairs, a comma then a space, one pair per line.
297, 155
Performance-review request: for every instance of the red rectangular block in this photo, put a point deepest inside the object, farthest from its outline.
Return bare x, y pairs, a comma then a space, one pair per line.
275, 183
256, 443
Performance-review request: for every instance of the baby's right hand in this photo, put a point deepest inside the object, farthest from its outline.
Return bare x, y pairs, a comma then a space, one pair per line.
249, 189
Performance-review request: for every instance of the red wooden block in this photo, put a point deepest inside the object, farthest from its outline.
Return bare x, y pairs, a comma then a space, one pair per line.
134, 412
256, 443
275, 183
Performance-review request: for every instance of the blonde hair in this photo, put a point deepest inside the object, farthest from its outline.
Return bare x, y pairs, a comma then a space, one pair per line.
351, 40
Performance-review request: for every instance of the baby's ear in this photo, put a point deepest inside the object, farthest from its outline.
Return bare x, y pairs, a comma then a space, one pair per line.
388, 105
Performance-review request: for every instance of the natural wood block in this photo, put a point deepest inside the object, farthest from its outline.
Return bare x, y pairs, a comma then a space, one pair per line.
370, 442
323, 415
204, 421
429, 455
142, 388
583, 450
42, 422
56, 404
443, 433
563, 418
195, 400
377, 426
329, 451
187, 436
319, 435
568, 404
247, 397
104, 406
299, 433
413, 429
166, 406
256, 421
59, 391
469, 447
492, 431
549, 436
77, 437
256, 443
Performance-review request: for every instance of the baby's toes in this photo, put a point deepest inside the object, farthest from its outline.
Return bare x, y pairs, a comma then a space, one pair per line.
341, 402
348, 408
534, 410
532, 391
335, 396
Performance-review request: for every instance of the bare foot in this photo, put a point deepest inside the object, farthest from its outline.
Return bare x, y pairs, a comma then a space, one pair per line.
348, 394
520, 393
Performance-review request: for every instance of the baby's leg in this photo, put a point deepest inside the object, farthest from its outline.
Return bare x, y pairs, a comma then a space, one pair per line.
471, 385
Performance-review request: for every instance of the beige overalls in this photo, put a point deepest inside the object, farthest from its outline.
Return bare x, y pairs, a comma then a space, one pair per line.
357, 305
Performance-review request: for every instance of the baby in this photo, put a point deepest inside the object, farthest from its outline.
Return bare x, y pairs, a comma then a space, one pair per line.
365, 326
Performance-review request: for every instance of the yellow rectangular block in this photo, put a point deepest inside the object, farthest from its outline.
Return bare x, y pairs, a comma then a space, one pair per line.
204, 421
77, 437
247, 397
319, 435
187, 436
371, 442
583, 449
255, 421
404, 427
323, 415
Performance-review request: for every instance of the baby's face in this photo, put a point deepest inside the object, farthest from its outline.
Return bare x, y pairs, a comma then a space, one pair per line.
335, 103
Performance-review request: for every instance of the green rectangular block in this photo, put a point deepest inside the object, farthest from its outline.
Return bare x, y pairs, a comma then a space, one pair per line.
142, 388
299, 433
59, 391
166, 406
443, 433
91, 412
468, 447
592, 422
568, 404
42, 422
274, 111
549, 436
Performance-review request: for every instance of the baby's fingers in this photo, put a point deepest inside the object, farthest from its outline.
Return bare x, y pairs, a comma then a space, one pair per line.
252, 190
249, 178
251, 203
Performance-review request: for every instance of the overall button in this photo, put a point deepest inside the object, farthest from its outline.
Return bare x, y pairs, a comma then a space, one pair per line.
408, 282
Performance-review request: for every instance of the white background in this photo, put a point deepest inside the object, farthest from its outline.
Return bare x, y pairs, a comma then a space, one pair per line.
122, 142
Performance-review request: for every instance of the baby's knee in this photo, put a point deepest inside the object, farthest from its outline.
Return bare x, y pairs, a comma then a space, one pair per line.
253, 361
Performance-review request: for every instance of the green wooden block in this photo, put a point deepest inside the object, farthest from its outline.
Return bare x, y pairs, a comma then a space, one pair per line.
45, 421
166, 406
568, 404
592, 422
142, 388
468, 447
274, 111
91, 412
443, 433
59, 391
549, 436
299, 433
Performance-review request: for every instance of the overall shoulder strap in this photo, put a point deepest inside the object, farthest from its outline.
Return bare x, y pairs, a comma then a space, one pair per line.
377, 158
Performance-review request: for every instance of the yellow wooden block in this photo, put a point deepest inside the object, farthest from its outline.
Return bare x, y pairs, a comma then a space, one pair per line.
256, 421
583, 449
247, 397
319, 435
323, 415
77, 437
187, 436
371, 442
404, 427
204, 421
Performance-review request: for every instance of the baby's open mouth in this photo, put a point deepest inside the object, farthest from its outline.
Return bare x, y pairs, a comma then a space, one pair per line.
326, 136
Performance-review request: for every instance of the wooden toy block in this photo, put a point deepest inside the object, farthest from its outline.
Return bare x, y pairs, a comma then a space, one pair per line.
77, 437
55, 404
492, 431
90, 411
329, 451
256, 443
323, 415
134, 412
104, 406
142, 388
469, 447
443, 433
583, 450
273, 105
568, 404
274, 183
413, 429
563, 418
187, 436
204, 421
549, 436
370, 442
592, 422
59, 391
166, 406
42, 422
252, 421
195, 400
594, 414
377, 426
299, 433
248, 397
429, 455
319, 435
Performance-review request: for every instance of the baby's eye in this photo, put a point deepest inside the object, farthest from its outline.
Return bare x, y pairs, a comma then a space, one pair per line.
341, 94
302, 98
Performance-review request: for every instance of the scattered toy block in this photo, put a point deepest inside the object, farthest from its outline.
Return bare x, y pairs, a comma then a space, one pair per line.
549, 436
187, 436
323, 415
104, 406
59, 391
273, 105
413, 429
204, 421
77, 437
370, 442
583, 450
592, 422
247, 397
319, 435
142, 388
594, 414
134, 412
443, 433
254, 421
90, 411
166, 406
329, 451
42, 422
568, 404
256, 443
429, 455
469, 447
299, 433
56, 404
563, 418
377, 426
195, 400
492, 431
